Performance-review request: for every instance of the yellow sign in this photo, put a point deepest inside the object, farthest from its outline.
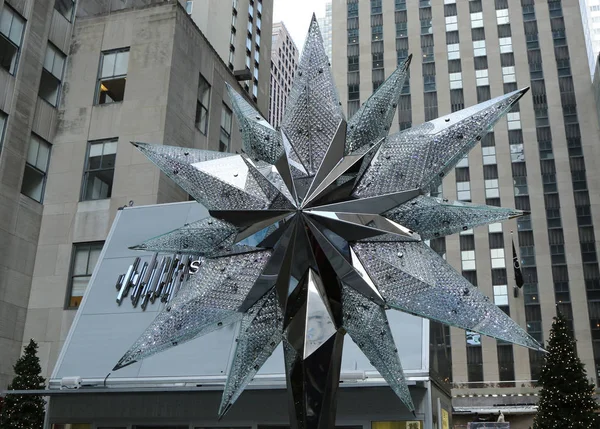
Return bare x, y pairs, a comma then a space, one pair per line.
445, 420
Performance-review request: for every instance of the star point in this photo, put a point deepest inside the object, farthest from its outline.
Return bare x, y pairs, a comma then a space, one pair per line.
317, 229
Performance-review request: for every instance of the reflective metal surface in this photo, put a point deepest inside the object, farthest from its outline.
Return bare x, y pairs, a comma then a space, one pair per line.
314, 232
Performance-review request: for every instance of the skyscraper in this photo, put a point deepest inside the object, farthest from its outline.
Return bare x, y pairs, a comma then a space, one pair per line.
590, 16
245, 52
325, 26
542, 158
284, 60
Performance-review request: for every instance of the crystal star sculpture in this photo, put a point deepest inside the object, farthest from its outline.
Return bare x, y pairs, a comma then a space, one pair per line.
319, 228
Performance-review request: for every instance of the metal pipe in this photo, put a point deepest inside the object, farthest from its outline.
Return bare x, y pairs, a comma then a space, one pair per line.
161, 281
119, 281
138, 283
124, 284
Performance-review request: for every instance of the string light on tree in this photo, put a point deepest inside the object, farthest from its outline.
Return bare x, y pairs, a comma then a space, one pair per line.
567, 396
25, 411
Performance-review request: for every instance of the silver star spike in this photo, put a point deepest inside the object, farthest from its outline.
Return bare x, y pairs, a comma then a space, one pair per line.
316, 230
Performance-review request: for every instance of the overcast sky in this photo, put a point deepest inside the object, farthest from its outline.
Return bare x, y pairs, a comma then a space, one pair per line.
296, 16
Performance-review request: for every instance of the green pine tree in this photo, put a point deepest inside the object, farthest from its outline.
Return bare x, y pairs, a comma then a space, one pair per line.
567, 396
25, 411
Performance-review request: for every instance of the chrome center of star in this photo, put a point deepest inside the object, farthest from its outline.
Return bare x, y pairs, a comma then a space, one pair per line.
317, 229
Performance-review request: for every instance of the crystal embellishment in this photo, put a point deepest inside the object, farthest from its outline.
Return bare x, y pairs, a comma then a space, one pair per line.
316, 230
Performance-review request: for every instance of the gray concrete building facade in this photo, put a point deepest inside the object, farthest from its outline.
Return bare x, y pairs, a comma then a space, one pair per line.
235, 29
542, 158
325, 23
34, 36
70, 105
284, 61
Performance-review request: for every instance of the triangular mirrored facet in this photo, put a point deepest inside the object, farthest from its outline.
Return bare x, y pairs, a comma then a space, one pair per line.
207, 301
436, 290
259, 139
313, 109
368, 326
260, 333
436, 217
431, 150
373, 119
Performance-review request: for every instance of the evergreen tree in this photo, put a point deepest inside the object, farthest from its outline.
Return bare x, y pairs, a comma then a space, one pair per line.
567, 396
25, 411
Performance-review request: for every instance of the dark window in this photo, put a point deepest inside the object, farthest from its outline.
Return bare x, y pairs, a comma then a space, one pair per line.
225, 136
12, 26
202, 105
378, 60
353, 92
353, 63
431, 105
36, 169
112, 76
506, 364
352, 9
467, 242
457, 100
475, 6
99, 170
377, 32
83, 261
353, 35
52, 74
375, 7
65, 8
483, 93
474, 358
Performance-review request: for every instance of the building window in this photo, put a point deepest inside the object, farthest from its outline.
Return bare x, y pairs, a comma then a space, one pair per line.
516, 152
202, 104
477, 20
99, 170
508, 74
497, 257
36, 169
3, 118
456, 80
377, 32
479, 48
489, 155
225, 138
454, 51
65, 8
12, 26
495, 227
464, 162
463, 191
353, 92
468, 260
482, 77
83, 261
502, 16
491, 188
451, 23
113, 75
505, 45
501, 295
52, 74
352, 36
514, 120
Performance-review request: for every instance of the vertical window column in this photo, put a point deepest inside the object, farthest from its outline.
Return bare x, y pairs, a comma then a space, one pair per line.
405, 104
591, 271
353, 58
